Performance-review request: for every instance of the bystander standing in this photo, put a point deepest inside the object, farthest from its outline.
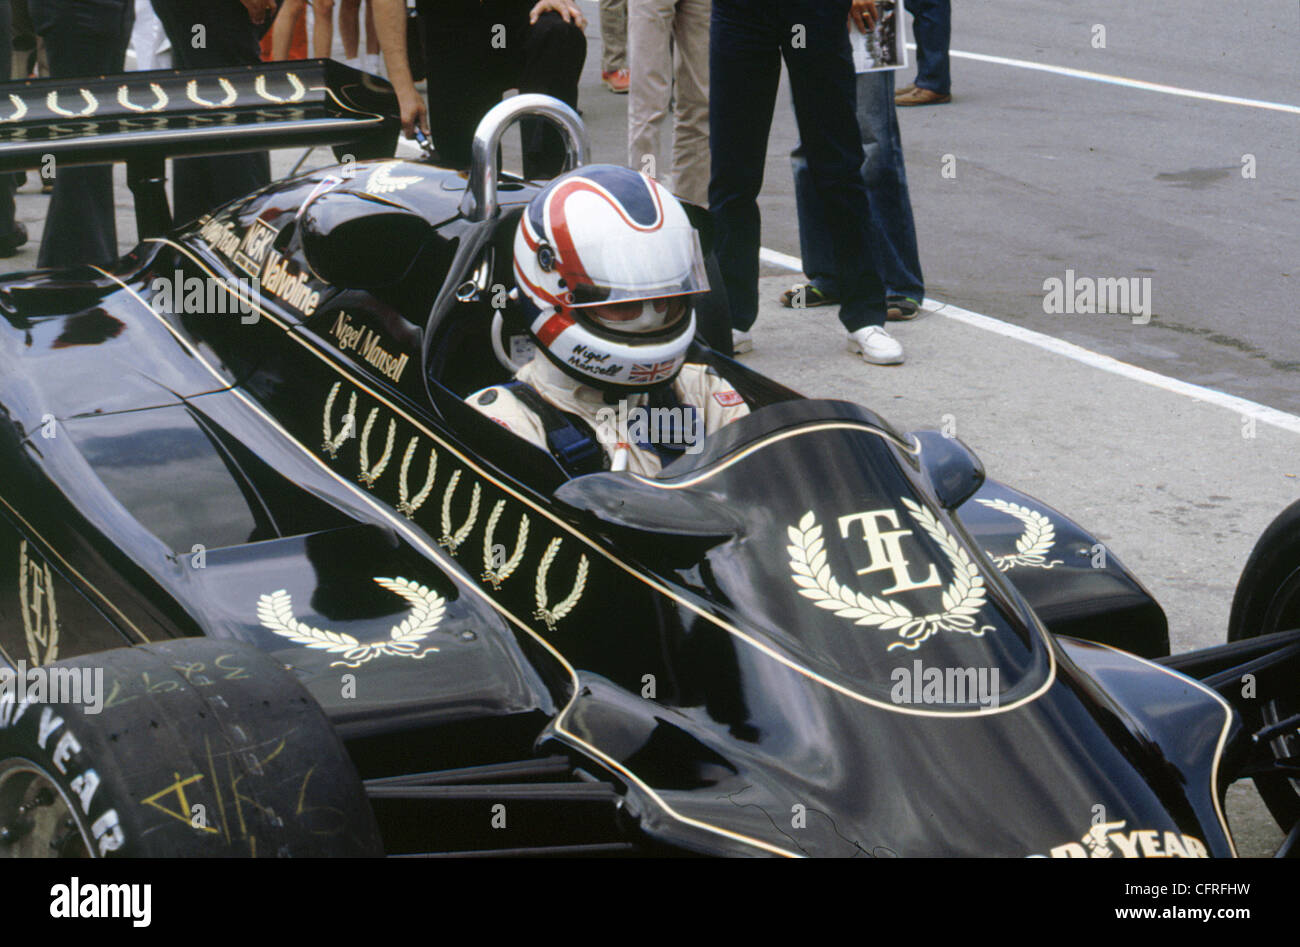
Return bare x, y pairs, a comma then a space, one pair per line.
230, 31
668, 52
477, 50
82, 39
748, 40
613, 43
932, 28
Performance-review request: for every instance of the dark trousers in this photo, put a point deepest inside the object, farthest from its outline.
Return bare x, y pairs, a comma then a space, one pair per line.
932, 27
893, 231
748, 39
82, 38
478, 50
201, 184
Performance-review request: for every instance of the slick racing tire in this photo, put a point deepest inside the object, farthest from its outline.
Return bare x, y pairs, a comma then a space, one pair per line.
199, 747
1268, 600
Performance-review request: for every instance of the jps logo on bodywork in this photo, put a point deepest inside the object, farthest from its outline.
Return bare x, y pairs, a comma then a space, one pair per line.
885, 549
961, 600
38, 607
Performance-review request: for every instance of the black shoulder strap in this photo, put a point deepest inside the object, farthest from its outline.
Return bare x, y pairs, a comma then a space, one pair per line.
570, 439
685, 419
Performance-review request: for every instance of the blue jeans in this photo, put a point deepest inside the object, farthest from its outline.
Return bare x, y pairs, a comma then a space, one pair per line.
932, 27
893, 233
747, 41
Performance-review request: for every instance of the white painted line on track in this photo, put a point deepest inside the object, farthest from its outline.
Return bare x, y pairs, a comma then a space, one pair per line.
1242, 406
1123, 81
783, 260
1250, 409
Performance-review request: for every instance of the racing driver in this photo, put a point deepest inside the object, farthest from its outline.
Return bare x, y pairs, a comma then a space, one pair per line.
607, 265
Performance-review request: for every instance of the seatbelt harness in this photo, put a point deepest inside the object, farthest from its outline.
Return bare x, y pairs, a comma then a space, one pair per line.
569, 438
668, 451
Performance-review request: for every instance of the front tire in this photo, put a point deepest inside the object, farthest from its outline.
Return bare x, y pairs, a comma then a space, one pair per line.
199, 747
1267, 600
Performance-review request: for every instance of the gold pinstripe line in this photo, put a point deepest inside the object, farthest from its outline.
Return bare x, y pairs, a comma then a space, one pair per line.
1223, 734
8, 658
691, 480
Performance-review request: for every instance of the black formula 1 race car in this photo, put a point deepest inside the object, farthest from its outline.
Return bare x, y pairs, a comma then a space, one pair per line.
268, 586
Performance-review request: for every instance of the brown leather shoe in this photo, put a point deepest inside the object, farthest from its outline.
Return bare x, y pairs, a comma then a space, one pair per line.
899, 93
918, 96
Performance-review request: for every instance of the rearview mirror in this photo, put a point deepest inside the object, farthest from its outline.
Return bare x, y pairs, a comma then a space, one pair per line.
953, 470
358, 241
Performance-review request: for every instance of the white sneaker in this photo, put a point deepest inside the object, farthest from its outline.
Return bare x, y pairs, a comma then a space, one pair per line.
877, 346
741, 342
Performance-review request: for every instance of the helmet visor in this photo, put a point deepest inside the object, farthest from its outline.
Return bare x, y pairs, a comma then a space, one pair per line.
635, 266
640, 316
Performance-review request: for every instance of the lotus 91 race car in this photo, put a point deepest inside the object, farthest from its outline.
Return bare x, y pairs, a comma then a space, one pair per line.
268, 586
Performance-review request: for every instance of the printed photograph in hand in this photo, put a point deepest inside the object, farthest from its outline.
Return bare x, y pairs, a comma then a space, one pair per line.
883, 46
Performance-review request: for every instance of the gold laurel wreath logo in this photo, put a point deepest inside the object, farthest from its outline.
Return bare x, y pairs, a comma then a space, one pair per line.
299, 90
552, 616
275, 612
405, 503
383, 181
20, 109
490, 572
450, 540
333, 442
228, 87
159, 96
1034, 543
368, 474
962, 599
92, 103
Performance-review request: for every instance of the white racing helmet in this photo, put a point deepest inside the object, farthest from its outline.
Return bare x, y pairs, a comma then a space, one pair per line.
610, 262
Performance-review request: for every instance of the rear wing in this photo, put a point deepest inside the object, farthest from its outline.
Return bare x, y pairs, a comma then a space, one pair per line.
143, 118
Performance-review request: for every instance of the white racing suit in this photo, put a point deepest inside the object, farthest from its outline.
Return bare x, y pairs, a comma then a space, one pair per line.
628, 423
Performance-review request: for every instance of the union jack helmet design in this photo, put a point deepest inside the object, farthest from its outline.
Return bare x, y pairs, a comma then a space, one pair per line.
609, 262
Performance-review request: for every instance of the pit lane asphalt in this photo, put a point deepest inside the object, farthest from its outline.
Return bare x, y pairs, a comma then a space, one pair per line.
1054, 172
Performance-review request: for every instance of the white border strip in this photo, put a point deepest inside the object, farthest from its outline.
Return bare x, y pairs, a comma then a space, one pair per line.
1123, 81
1242, 406
783, 260
1251, 409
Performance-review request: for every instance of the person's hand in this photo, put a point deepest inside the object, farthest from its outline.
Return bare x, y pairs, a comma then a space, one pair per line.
413, 109
566, 9
390, 24
258, 9
863, 15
